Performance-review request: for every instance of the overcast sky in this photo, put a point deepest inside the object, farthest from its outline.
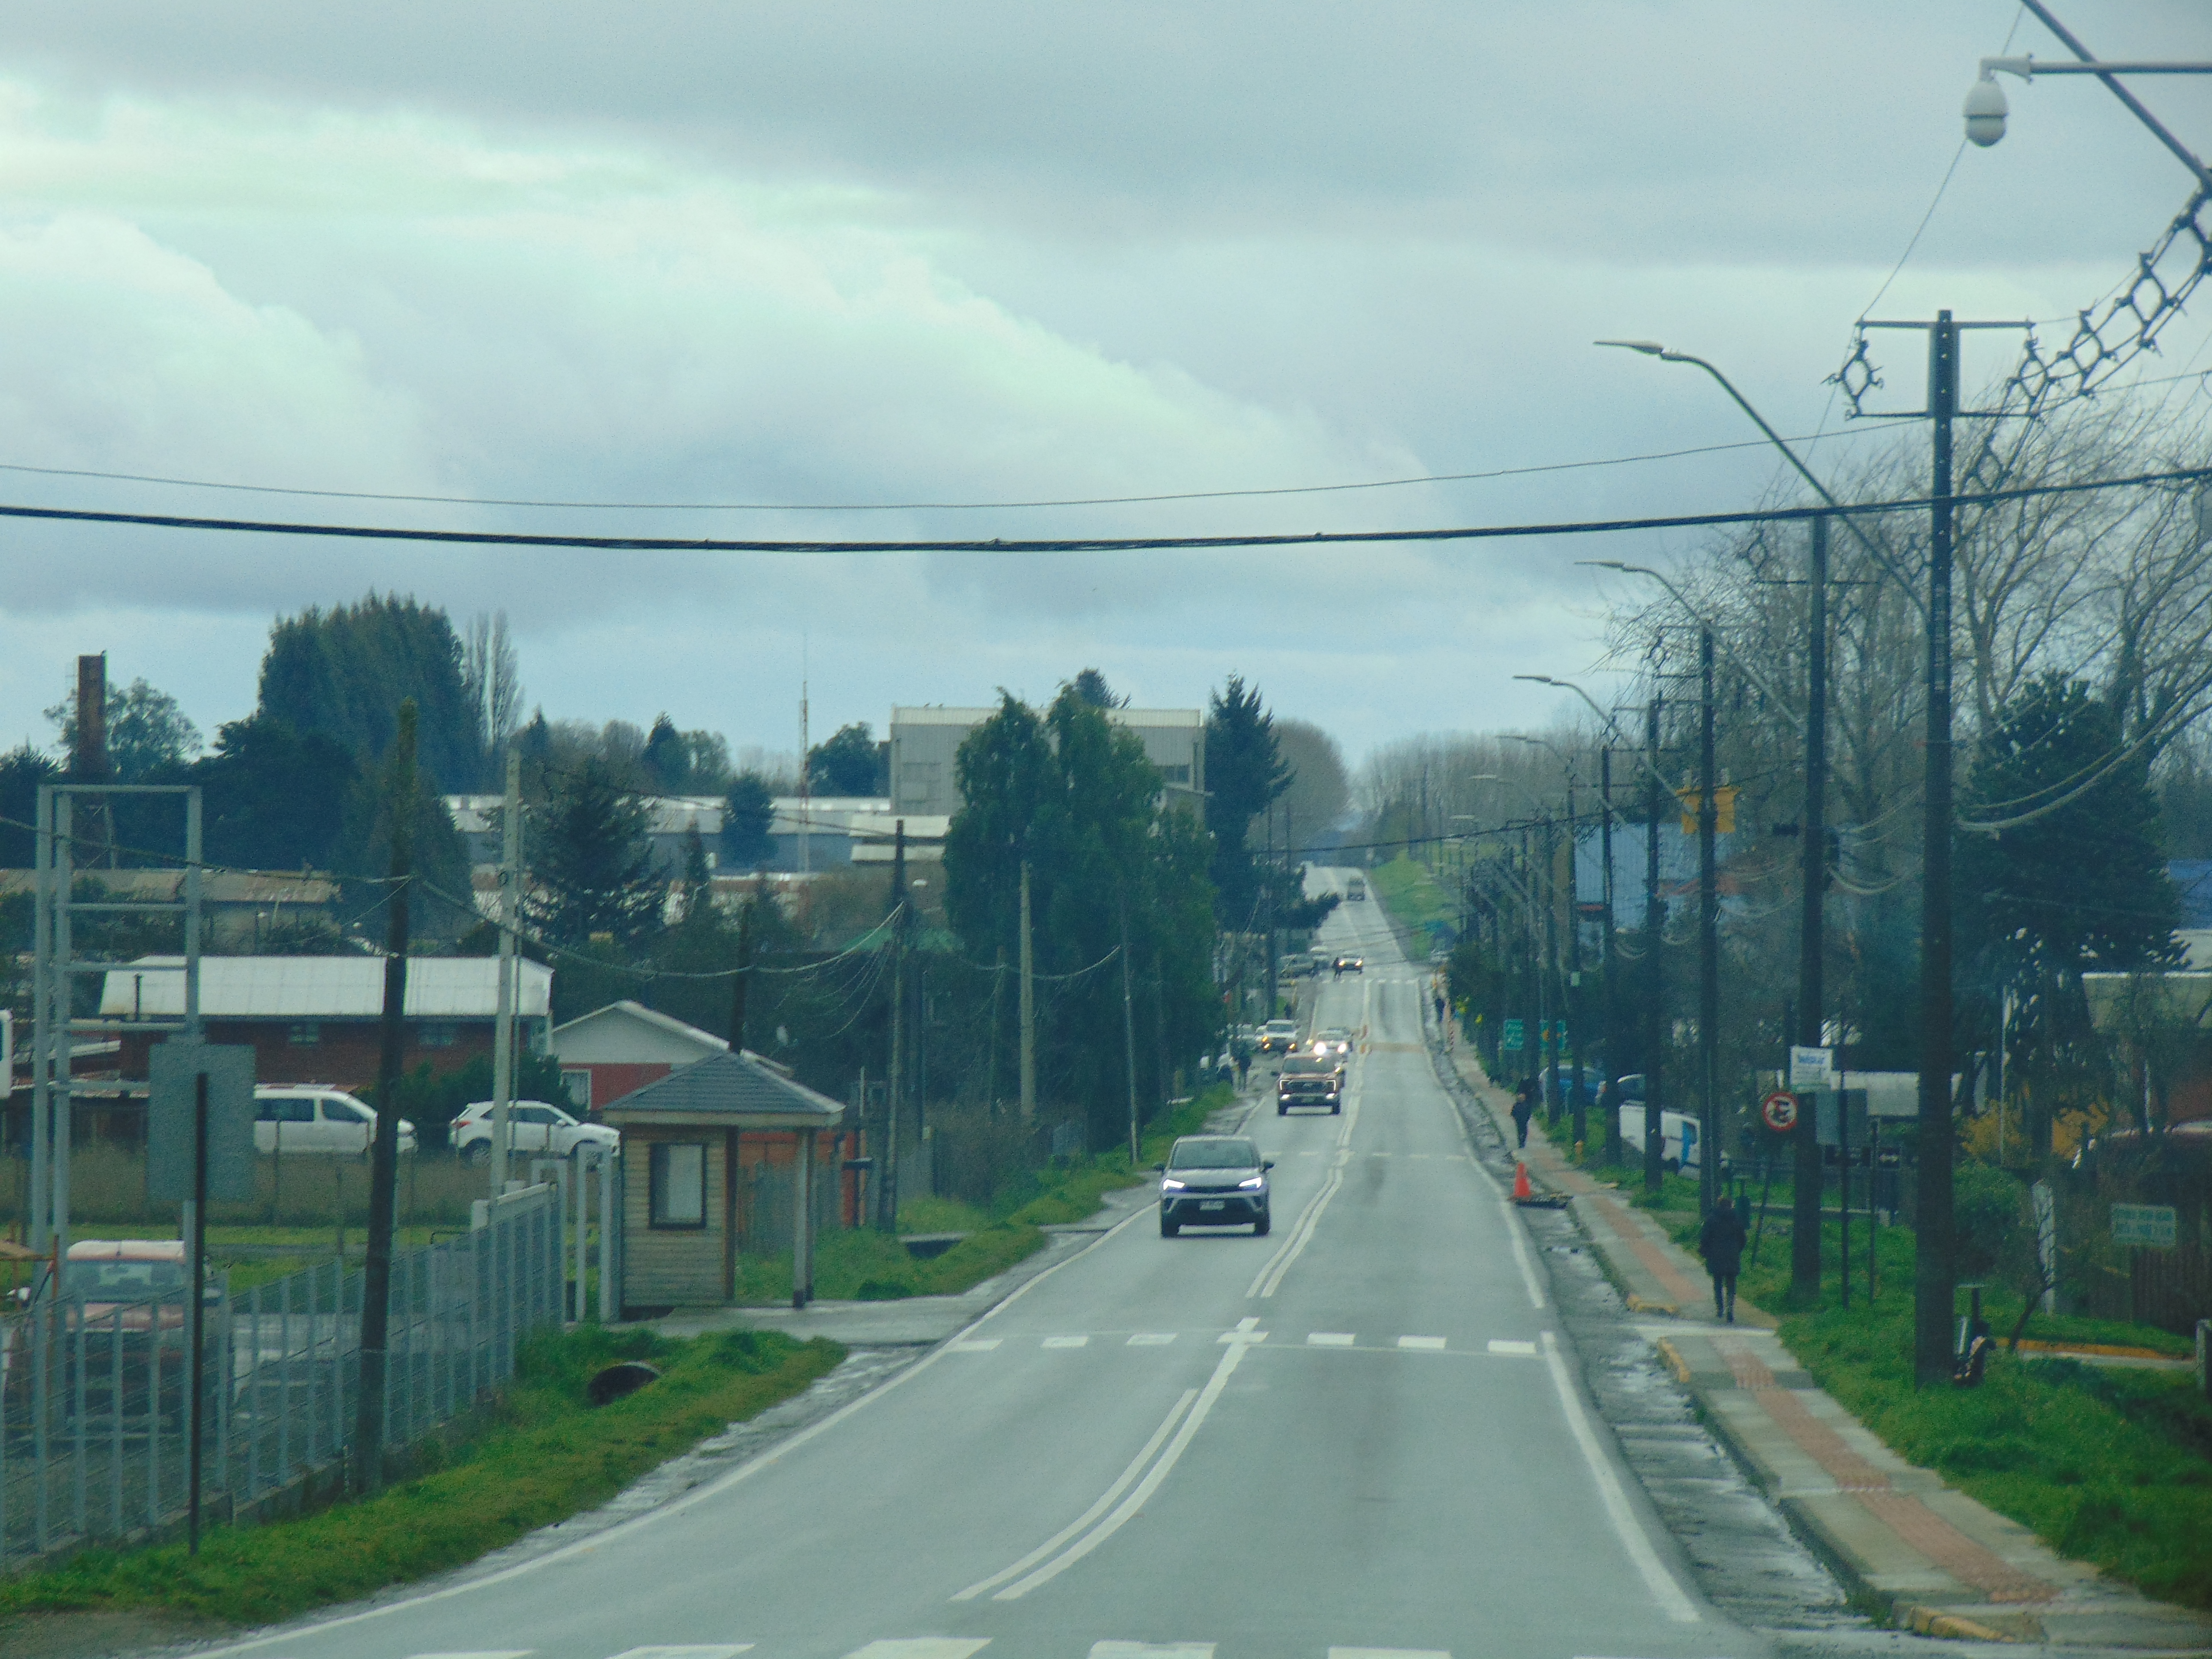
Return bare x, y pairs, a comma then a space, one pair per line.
850, 253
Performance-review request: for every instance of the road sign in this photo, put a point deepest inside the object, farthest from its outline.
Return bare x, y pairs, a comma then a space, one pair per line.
172, 1104
2150, 1225
1780, 1111
1517, 1035
1812, 1068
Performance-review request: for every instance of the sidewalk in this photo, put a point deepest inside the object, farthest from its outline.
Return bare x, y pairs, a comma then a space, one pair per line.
1937, 1561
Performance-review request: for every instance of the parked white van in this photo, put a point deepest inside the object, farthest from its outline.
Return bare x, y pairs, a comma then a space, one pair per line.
1679, 1136
313, 1117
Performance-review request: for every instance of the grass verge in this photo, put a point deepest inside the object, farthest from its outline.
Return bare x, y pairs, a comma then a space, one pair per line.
2110, 1467
538, 1454
863, 1265
1411, 894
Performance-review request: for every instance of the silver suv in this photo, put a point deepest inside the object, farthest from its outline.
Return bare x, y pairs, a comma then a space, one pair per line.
1213, 1181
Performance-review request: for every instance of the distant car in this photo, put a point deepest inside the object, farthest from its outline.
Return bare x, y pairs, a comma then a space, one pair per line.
1335, 1040
125, 1303
1213, 1181
1309, 1081
1563, 1078
1349, 965
1355, 890
309, 1117
532, 1125
1279, 1036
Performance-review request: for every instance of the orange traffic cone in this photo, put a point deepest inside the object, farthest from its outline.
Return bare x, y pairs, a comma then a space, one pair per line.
1522, 1192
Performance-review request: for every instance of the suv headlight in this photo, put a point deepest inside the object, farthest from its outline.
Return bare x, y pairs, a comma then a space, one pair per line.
1170, 1184
1253, 1185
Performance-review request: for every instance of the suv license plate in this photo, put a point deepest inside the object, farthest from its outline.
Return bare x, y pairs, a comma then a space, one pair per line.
1212, 1204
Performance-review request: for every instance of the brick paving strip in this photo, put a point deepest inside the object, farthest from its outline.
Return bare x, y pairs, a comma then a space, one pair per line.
1940, 1562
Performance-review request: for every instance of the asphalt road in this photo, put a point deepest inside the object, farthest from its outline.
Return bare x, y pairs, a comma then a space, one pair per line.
1361, 1435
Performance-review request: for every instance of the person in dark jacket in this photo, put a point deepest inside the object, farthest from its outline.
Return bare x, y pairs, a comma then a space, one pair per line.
1721, 1242
1524, 1108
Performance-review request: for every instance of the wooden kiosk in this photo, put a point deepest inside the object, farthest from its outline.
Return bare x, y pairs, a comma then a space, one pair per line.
682, 1139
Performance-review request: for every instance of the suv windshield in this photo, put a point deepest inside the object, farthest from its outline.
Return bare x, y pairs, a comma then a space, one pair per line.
124, 1280
1214, 1155
1300, 1065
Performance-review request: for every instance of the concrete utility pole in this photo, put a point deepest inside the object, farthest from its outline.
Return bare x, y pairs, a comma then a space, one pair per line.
502, 1030
1708, 939
1805, 1143
384, 1155
1549, 892
1028, 1005
1578, 1097
1267, 906
88, 759
1934, 1287
887, 1182
1655, 940
1609, 960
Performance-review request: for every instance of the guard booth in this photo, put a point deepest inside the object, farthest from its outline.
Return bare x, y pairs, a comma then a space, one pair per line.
690, 1193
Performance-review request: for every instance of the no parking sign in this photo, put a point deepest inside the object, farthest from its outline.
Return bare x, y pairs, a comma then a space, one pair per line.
1780, 1112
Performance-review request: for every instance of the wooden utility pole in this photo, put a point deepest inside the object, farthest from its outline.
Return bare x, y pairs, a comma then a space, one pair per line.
1709, 941
1655, 951
384, 1156
887, 1179
1805, 1143
1609, 962
510, 917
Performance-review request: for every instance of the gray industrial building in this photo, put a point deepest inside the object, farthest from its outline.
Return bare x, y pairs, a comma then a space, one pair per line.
926, 742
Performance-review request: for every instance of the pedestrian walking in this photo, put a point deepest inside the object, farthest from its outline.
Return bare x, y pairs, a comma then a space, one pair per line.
1524, 1108
1721, 1242
1440, 1007
1243, 1065
1609, 1108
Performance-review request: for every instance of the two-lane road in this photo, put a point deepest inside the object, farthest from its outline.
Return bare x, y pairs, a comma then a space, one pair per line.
1360, 1435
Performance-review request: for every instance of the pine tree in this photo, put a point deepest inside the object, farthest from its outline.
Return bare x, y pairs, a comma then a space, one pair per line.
592, 865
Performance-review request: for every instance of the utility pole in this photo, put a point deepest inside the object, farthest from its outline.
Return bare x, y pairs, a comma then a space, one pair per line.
1130, 1034
90, 758
1805, 1143
1267, 903
1028, 1006
1552, 1045
1655, 940
1934, 1273
1577, 1100
1609, 962
887, 1182
741, 982
502, 1030
384, 1155
1708, 939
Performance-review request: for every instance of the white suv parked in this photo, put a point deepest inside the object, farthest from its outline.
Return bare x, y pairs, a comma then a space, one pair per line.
531, 1127
311, 1117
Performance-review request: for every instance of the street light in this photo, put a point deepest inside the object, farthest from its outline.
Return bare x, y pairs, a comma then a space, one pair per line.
1741, 662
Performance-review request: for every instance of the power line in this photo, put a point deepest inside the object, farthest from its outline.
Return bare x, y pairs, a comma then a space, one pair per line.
1087, 545
898, 507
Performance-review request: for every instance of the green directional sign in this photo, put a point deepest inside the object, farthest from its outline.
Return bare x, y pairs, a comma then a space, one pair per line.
1517, 1035
2147, 1226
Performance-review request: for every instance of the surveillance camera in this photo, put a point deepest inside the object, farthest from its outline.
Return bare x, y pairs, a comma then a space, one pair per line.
1984, 110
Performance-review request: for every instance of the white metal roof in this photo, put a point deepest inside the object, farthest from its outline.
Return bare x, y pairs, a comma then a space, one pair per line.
322, 988
628, 1032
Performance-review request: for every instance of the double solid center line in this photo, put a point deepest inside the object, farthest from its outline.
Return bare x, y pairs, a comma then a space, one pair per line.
1120, 1502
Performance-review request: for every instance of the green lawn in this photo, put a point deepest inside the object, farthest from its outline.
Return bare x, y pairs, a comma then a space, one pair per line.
1411, 894
2106, 1466
539, 1454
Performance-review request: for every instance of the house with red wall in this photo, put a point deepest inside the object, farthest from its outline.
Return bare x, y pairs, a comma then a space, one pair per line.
619, 1048
318, 1019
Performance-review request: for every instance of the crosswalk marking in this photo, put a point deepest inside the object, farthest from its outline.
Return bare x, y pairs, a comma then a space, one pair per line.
1422, 1342
1330, 1339
1151, 1338
722, 1651
1151, 1650
922, 1647
1065, 1341
1500, 1345
1242, 1336
976, 1344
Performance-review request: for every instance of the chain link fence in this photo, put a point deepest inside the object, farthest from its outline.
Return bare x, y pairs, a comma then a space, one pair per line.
93, 1393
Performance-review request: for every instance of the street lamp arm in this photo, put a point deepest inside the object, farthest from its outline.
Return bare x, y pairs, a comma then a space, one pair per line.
1611, 724
1741, 662
1667, 354
2105, 72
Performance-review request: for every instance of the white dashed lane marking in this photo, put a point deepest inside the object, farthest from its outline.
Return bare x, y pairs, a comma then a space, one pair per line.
1151, 1340
1065, 1341
1425, 1343
1330, 1339
1500, 1345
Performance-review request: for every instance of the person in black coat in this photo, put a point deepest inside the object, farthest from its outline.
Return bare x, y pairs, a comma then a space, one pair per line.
1721, 1242
1524, 1108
